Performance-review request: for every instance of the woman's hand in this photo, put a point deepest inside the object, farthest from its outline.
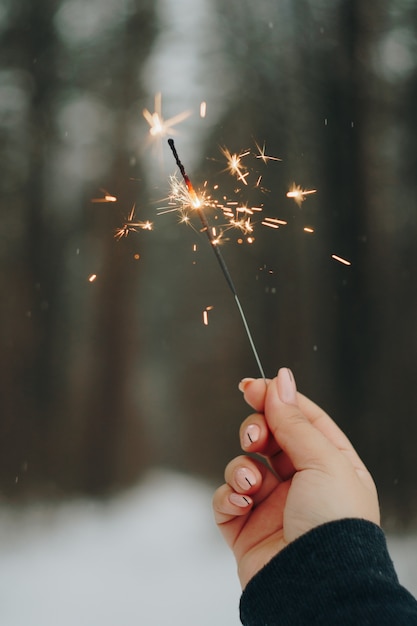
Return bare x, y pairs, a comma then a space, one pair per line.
311, 475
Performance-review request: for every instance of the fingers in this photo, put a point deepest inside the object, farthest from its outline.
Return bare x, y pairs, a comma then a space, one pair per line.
254, 391
227, 504
256, 438
248, 482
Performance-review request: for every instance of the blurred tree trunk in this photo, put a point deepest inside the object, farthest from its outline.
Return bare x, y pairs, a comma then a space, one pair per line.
387, 428
68, 421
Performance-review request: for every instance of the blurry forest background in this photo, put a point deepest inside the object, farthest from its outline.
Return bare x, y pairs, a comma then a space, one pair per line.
101, 380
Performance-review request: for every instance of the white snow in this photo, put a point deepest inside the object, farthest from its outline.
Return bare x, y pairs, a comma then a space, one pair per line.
150, 556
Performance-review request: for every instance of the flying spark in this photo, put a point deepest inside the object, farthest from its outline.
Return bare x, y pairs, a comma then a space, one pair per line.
235, 165
106, 198
298, 194
264, 157
158, 126
131, 226
205, 314
341, 260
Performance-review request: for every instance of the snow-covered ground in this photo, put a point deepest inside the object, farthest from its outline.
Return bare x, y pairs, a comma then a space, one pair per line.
150, 556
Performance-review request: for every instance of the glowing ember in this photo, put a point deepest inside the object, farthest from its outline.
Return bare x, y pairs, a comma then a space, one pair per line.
158, 126
341, 260
131, 226
265, 158
273, 222
205, 314
298, 194
106, 198
92, 278
235, 165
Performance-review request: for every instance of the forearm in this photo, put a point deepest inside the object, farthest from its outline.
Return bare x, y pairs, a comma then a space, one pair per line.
338, 573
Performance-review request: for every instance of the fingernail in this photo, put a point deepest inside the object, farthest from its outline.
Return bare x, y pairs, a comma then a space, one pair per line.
244, 383
245, 478
251, 435
287, 389
239, 500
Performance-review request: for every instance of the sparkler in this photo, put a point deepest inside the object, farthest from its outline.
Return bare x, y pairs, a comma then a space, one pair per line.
198, 204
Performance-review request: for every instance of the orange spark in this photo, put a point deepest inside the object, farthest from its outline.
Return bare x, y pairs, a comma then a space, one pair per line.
341, 260
158, 126
106, 198
273, 222
131, 226
299, 194
265, 158
234, 164
205, 314
92, 278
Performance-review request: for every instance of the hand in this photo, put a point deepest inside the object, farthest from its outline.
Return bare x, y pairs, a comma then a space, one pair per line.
313, 476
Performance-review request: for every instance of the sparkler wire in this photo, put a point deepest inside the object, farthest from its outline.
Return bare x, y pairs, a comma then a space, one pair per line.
197, 206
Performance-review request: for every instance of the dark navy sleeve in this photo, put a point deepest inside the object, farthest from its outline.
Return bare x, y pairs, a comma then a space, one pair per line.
338, 574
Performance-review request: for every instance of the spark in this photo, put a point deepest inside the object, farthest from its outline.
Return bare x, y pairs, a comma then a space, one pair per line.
158, 126
341, 260
92, 278
131, 225
235, 165
273, 222
299, 194
205, 314
307, 229
203, 109
264, 157
244, 225
106, 198
270, 224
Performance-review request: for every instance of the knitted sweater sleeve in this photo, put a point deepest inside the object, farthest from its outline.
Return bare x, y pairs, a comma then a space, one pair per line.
338, 574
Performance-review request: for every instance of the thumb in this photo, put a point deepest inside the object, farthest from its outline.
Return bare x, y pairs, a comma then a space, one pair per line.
306, 447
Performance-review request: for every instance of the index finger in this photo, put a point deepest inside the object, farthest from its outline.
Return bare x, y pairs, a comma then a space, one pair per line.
254, 392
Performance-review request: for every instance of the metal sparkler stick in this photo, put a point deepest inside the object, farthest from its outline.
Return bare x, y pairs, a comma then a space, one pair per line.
196, 203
